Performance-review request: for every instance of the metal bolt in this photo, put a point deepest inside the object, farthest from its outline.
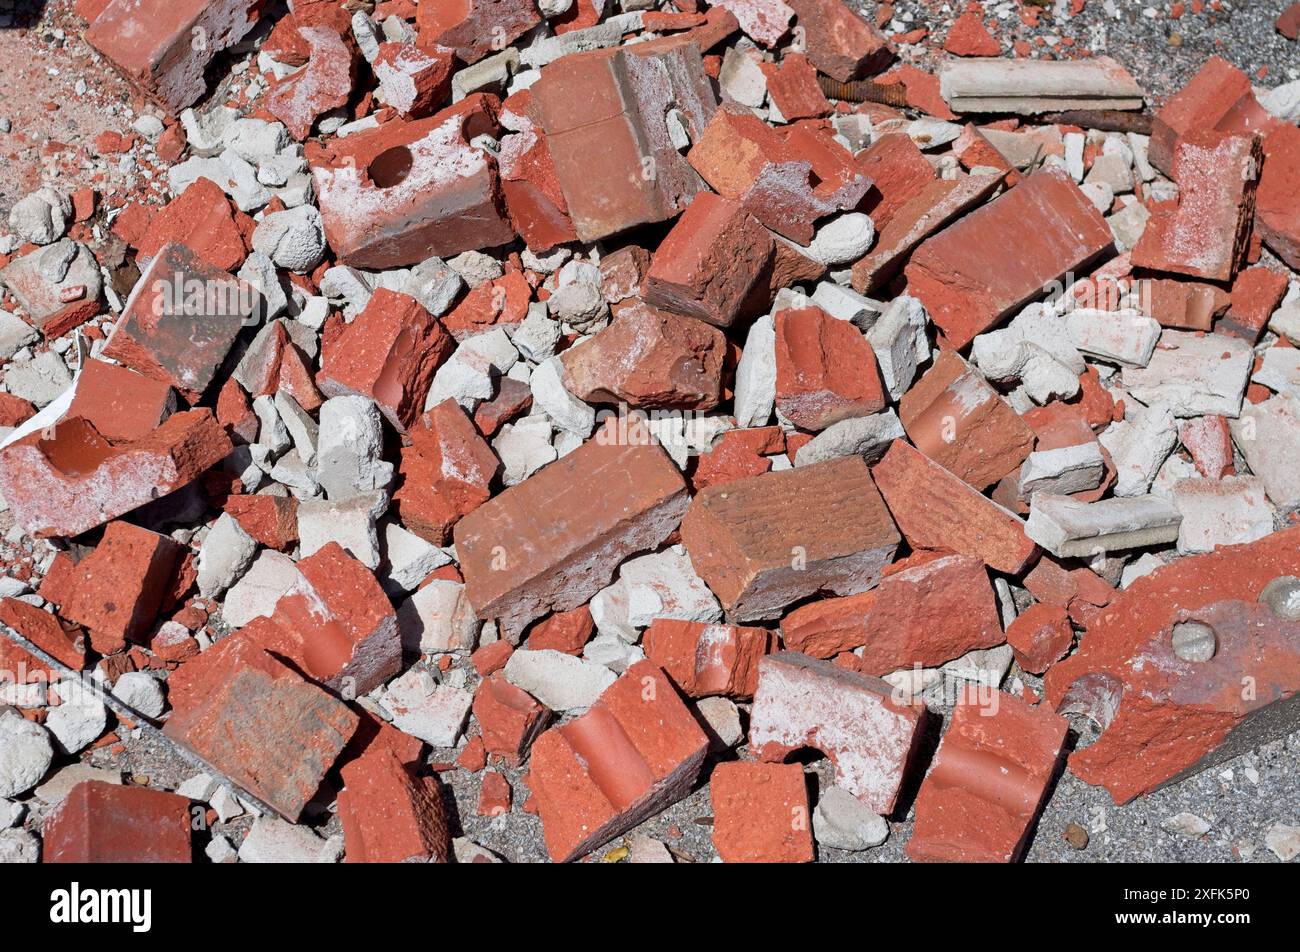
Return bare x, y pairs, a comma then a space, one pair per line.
1194, 641
1282, 596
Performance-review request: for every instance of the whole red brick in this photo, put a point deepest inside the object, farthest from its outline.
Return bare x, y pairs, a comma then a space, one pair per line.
707, 660
825, 370
979, 270
101, 822
936, 510
509, 717
765, 542
445, 474
554, 540
849, 717
710, 261
388, 353
389, 815
955, 418
761, 813
1040, 636
988, 782
636, 751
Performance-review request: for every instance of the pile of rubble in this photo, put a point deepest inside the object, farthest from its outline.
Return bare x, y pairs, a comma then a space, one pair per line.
601, 400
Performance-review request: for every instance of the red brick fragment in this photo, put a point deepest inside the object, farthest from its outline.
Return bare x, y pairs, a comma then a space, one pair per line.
536, 203
764, 542
389, 815
120, 404
738, 454
1209, 441
825, 370
323, 84
445, 474
968, 36
1192, 305
271, 520
1288, 22
44, 631
988, 782
761, 813
1218, 98
415, 81
494, 795
936, 510
1040, 636
636, 751
202, 219
1277, 213
491, 657
839, 42
899, 172
258, 722
388, 353
849, 717
474, 28
563, 631
794, 90
707, 660
1256, 294
101, 822
554, 540
509, 717
978, 271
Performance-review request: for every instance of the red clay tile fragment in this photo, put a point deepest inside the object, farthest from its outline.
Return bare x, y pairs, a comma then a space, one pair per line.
101, 822
851, 718
764, 542
636, 751
988, 782
761, 813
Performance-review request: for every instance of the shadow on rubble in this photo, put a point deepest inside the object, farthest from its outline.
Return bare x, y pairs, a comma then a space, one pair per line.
23, 14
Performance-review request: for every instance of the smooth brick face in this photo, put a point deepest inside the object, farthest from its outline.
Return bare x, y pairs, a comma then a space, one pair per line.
802, 702
258, 722
986, 266
710, 261
106, 823
554, 540
151, 42
635, 752
388, 353
706, 660
1171, 718
180, 321
936, 510
387, 198
767, 541
954, 417
825, 370
612, 103
988, 782
1207, 234
761, 813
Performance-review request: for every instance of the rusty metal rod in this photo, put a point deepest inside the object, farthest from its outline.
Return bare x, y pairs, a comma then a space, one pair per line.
889, 94
1107, 120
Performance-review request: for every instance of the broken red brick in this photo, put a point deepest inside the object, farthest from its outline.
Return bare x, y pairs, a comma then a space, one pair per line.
258, 722
1040, 636
988, 782
323, 84
849, 717
955, 418
936, 510
1256, 293
44, 631
415, 81
649, 358
389, 815
738, 454
388, 353
116, 590
764, 542
152, 42
1192, 305
445, 474
491, 657
1277, 217
554, 540
180, 321
201, 219
1206, 234
271, 520
761, 813
494, 795
710, 261
838, 41
100, 822
399, 193
1288, 22
1218, 98
475, 28
825, 370
563, 631
597, 103
1209, 442
509, 717
793, 88
706, 660
536, 203
968, 36
71, 480
969, 282
636, 751
899, 172
120, 404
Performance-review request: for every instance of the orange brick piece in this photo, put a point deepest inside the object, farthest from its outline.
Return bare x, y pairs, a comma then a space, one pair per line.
389, 815
101, 822
705, 660
760, 813
636, 751
553, 541
988, 782
764, 542
936, 510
